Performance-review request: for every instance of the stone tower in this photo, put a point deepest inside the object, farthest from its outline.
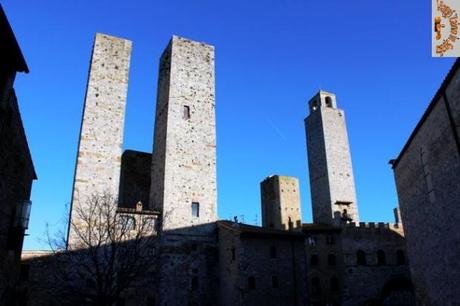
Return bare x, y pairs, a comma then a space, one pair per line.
329, 161
101, 136
184, 156
281, 202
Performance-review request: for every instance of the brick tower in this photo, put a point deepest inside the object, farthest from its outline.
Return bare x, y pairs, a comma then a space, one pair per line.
101, 136
281, 202
329, 161
184, 156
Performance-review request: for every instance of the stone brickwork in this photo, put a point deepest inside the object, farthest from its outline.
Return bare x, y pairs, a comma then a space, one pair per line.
101, 136
188, 261
428, 183
184, 157
384, 275
260, 266
135, 179
329, 161
336, 275
281, 202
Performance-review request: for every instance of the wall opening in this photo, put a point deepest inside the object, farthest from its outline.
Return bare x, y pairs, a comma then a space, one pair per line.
361, 258
186, 112
195, 209
381, 258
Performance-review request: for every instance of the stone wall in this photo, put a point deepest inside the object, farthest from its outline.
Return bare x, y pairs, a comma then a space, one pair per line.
188, 261
135, 179
427, 180
260, 266
281, 202
384, 275
184, 158
337, 277
329, 161
99, 150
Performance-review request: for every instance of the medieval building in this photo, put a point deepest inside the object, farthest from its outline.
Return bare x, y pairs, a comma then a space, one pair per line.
16, 167
196, 259
428, 183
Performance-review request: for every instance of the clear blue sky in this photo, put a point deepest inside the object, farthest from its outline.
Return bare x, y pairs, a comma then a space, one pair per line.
271, 57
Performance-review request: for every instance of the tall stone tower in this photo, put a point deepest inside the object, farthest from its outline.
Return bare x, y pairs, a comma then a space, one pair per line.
101, 136
281, 203
329, 161
184, 156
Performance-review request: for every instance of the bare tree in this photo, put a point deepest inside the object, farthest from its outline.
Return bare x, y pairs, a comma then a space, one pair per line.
107, 252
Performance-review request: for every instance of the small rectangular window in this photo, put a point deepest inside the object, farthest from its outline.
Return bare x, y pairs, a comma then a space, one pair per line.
273, 252
195, 209
275, 283
186, 114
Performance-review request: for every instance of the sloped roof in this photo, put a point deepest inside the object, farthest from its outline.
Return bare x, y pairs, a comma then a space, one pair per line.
431, 106
10, 54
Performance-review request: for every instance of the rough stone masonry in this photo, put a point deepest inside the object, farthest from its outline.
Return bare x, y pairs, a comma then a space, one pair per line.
101, 136
332, 184
184, 156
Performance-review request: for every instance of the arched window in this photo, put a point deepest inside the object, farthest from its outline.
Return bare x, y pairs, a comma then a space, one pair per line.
251, 283
315, 286
331, 260
400, 258
381, 259
361, 258
334, 284
314, 260
328, 102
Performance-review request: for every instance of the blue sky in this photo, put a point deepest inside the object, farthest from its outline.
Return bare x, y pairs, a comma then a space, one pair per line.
271, 57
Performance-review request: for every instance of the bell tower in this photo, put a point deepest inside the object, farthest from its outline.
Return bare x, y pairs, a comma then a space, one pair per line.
332, 183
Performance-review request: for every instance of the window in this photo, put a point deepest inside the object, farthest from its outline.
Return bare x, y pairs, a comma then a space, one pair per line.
128, 222
312, 241
275, 282
195, 209
315, 286
186, 112
381, 259
314, 260
328, 102
194, 283
251, 283
361, 258
400, 258
334, 284
273, 252
330, 239
314, 105
331, 259
233, 253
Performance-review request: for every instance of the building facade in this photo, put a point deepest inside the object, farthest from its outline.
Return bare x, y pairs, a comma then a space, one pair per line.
428, 184
98, 165
281, 203
16, 167
332, 184
184, 154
